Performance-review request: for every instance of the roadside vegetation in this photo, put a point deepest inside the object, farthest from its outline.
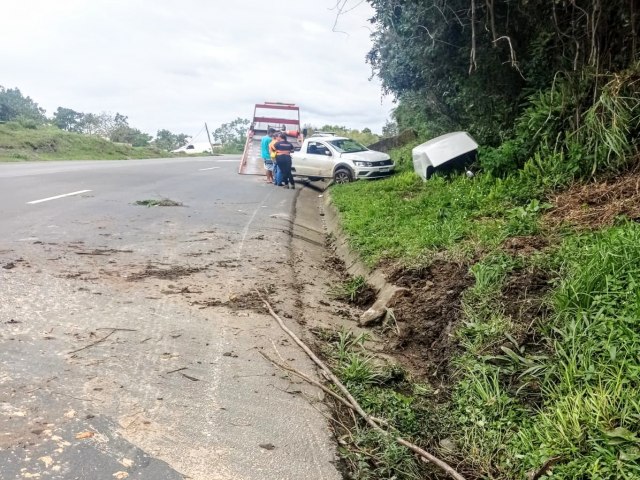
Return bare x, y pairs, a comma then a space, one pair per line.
27, 133
19, 143
163, 202
517, 332
364, 136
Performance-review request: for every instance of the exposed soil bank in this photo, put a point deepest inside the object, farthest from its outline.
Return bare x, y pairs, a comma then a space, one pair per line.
599, 204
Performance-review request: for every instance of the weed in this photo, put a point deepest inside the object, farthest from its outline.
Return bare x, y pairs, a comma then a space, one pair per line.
163, 202
387, 393
350, 290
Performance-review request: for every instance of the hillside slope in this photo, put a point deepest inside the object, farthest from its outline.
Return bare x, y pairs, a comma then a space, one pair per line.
517, 323
18, 143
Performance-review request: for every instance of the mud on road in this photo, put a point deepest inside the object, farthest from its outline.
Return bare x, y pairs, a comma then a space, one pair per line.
139, 358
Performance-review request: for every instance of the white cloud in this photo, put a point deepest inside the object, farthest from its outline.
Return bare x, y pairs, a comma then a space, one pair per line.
174, 65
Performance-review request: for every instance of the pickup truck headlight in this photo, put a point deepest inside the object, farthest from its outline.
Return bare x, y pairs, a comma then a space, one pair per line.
362, 164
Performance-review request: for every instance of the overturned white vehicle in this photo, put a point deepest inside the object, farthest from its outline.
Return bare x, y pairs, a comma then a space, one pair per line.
453, 151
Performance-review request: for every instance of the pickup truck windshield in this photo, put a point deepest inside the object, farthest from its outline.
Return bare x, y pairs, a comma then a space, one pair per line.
347, 146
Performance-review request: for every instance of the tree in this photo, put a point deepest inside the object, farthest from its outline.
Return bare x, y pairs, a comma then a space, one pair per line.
181, 139
15, 106
473, 65
166, 140
68, 119
390, 129
138, 139
89, 123
232, 135
366, 137
118, 130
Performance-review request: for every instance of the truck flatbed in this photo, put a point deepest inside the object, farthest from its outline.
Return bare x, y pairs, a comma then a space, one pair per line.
267, 115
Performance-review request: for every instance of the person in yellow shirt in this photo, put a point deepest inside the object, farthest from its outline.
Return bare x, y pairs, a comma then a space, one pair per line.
272, 152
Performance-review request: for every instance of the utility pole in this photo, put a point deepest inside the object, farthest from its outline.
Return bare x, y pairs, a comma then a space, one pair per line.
208, 137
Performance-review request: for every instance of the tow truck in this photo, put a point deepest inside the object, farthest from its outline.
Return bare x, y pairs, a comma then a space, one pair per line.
280, 116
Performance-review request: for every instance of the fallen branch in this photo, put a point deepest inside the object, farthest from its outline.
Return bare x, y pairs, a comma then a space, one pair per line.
311, 381
113, 330
355, 406
177, 370
308, 380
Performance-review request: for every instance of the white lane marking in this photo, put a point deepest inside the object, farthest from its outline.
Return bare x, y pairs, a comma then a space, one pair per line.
58, 196
203, 169
221, 161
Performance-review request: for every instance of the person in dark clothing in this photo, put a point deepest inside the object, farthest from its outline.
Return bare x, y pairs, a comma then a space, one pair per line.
284, 149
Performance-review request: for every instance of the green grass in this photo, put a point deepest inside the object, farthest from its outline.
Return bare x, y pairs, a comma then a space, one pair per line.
18, 143
404, 218
385, 392
563, 387
163, 202
587, 415
349, 290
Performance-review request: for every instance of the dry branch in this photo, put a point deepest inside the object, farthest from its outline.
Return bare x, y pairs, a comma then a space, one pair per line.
114, 330
307, 379
354, 405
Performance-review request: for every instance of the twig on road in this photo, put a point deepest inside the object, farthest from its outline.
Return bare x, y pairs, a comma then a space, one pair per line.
307, 379
113, 330
354, 405
71, 396
118, 328
177, 370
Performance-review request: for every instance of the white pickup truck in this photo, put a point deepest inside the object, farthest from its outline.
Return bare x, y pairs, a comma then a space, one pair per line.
342, 159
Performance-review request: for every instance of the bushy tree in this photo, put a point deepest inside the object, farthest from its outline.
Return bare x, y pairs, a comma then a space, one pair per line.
472, 64
166, 140
390, 129
90, 124
68, 119
232, 135
15, 106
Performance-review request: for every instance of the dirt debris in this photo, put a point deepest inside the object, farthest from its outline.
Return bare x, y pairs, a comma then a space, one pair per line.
335, 265
523, 297
524, 245
599, 204
245, 301
102, 251
172, 273
163, 202
427, 308
14, 263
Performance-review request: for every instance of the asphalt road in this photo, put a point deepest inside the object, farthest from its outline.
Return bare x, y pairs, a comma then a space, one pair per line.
131, 337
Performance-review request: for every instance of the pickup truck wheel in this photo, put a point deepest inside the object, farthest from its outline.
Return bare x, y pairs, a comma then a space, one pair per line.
342, 175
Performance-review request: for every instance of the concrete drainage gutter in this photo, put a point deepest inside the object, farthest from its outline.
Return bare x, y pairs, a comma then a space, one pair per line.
355, 267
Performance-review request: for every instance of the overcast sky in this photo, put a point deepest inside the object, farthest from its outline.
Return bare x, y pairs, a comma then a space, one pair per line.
176, 64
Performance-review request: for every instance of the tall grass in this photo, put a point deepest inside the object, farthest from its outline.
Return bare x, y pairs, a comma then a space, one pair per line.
587, 416
384, 392
593, 415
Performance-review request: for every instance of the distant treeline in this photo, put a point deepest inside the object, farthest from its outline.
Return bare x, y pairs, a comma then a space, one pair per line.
16, 107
